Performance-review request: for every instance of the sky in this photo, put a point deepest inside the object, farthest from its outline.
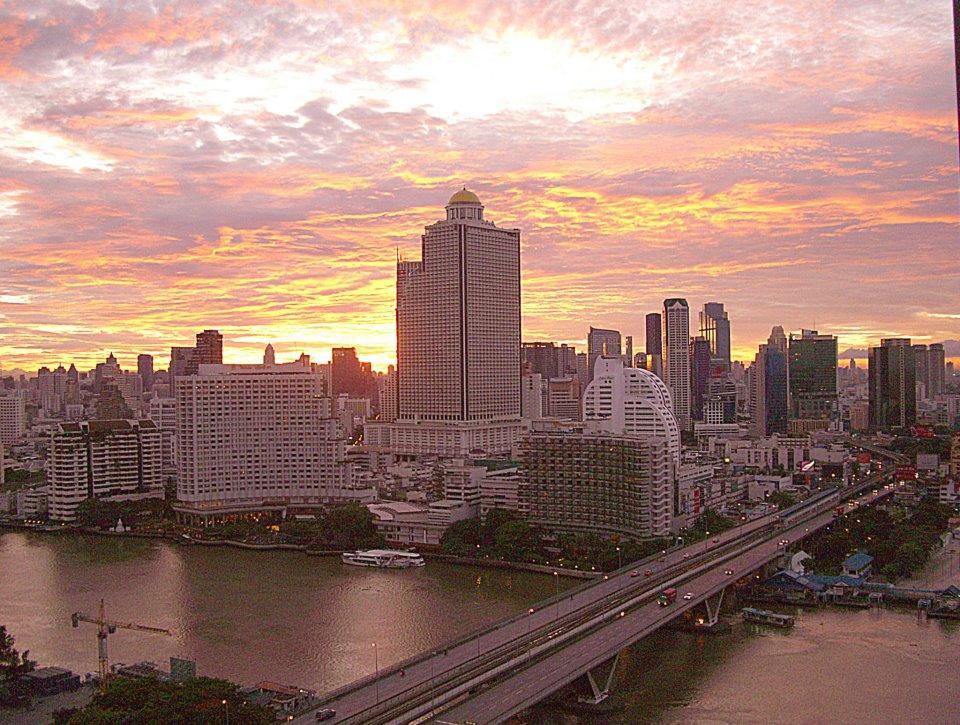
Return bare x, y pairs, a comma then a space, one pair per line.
255, 166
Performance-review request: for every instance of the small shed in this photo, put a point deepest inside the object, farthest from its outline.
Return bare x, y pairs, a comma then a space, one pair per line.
859, 565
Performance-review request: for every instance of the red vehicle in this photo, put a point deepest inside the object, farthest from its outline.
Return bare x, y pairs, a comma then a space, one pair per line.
667, 597
841, 510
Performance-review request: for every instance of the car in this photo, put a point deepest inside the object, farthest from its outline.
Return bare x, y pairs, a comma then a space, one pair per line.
783, 542
326, 714
728, 572
648, 573
635, 572
688, 596
716, 541
686, 556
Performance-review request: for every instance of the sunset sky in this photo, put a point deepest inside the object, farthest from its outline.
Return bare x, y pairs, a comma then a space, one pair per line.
255, 166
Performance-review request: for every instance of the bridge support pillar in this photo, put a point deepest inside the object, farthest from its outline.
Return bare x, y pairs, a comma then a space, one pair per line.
600, 693
713, 610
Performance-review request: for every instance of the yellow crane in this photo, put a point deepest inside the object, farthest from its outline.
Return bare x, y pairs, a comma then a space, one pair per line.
107, 627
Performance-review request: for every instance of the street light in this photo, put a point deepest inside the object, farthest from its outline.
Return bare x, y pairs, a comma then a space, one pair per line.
226, 707
376, 669
556, 591
619, 560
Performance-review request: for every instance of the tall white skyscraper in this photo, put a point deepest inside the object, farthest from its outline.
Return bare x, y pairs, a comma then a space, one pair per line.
13, 418
676, 357
629, 401
458, 338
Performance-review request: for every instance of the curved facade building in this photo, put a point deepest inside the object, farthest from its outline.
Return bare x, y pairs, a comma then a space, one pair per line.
632, 402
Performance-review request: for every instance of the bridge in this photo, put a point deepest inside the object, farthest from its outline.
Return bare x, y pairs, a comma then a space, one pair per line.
493, 674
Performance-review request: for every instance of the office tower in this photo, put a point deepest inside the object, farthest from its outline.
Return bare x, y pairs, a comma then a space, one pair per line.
163, 413
209, 348
920, 361
720, 405
583, 367
891, 376
458, 338
51, 385
654, 343
566, 360
935, 363
542, 358
813, 381
631, 402
130, 386
71, 392
348, 375
255, 439
111, 405
770, 391
145, 370
715, 328
183, 361
701, 367
676, 357
105, 371
13, 418
601, 342
269, 356
597, 483
102, 458
628, 351
531, 396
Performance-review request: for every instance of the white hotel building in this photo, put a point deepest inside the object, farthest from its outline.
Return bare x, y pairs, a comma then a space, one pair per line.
458, 339
255, 439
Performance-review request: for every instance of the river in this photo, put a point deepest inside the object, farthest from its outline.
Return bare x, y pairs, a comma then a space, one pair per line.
310, 621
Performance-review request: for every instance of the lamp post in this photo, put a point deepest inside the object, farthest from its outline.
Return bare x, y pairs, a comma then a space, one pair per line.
619, 559
226, 709
376, 669
556, 591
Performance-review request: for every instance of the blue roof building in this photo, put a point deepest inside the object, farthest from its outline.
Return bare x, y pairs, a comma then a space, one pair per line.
859, 564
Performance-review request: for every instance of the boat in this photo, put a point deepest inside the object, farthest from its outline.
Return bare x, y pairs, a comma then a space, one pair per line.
383, 558
765, 616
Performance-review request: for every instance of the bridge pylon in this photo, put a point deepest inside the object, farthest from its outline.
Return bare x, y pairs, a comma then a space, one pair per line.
713, 609
600, 692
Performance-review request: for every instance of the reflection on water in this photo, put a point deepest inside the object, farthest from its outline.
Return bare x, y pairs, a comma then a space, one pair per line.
311, 621
244, 615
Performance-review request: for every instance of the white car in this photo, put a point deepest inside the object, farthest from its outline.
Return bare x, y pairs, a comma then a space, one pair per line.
688, 596
728, 572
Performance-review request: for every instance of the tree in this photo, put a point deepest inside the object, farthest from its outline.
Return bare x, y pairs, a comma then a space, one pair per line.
13, 664
462, 538
782, 500
347, 527
199, 700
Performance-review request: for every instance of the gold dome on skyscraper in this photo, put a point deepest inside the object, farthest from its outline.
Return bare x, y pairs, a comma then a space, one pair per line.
464, 197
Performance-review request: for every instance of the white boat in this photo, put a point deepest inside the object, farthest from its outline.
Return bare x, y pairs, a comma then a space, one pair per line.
383, 558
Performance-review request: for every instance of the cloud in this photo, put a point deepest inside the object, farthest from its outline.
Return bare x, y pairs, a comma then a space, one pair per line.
257, 165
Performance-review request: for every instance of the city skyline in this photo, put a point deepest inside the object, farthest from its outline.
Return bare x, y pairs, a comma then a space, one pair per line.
166, 173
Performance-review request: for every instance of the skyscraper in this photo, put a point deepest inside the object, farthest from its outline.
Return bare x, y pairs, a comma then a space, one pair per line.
813, 380
269, 356
769, 380
209, 348
892, 376
922, 367
542, 358
654, 344
715, 328
601, 342
936, 364
458, 337
348, 376
701, 367
676, 357
145, 370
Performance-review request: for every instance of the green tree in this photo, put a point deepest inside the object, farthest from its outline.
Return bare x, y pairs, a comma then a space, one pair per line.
462, 538
197, 701
12, 665
347, 527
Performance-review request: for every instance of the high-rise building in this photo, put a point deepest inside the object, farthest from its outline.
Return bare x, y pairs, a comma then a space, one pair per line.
542, 358
701, 368
531, 396
13, 418
891, 375
348, 375
257, 438
563, 398
163, 413
769, 386
269, 356
936, 364
209, 348
183, 361
632, 402
458, 338
598, 483
813, 380
387, 392
676, 357
628, 351
653, 344
920, 361
715, 329
601, 342
145, 370
103, 458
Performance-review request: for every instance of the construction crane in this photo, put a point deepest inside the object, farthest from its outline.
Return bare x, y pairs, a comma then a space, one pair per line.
106, 627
